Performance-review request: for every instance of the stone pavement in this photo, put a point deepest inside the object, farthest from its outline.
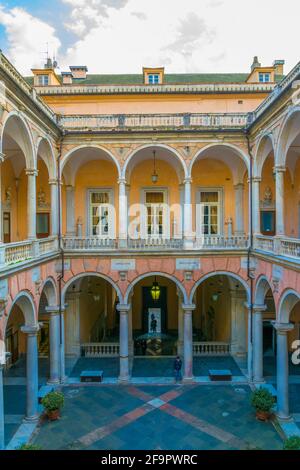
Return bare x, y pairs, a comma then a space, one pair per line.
157, 417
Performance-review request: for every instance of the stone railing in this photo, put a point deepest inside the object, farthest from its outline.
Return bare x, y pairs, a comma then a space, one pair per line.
289, 247
222, 242
19, 252
207, 348
100, 349
264, 243
153, 121
88, 243
155, 244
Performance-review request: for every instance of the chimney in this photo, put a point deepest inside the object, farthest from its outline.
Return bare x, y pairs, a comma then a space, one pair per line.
48, 64
66, 78
79, 71
255, 63
278, 65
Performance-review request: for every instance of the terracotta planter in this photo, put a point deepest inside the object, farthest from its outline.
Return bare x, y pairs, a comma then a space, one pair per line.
263, 415
53, 415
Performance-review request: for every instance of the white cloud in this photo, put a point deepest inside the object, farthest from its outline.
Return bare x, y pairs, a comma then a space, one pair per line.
27, 37
122, 36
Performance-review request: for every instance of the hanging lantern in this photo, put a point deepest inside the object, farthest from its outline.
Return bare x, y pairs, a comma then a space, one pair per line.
154, 176
155, 291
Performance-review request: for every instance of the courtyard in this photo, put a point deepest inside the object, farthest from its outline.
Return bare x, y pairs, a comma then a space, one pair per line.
182, 417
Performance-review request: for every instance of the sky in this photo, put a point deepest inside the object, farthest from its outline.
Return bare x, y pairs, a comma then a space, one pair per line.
122, 36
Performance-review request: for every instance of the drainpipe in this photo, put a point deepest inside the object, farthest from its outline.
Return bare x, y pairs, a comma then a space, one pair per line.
62, 258
249, 274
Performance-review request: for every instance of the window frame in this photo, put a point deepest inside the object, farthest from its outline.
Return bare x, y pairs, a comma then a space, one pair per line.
220, 191
111, 214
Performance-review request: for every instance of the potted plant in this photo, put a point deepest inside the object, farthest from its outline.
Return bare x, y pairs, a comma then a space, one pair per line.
53, 402
28, 447
292, 443
262, 400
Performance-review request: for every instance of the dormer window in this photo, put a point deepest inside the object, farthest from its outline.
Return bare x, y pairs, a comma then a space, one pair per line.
43, 80
153, 79
264, 77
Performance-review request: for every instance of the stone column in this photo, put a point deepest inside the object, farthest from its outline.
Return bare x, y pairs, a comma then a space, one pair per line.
279, 172
124, 351
122, 214
73, 324
258, 375
31, 203
54, 206
282, 329
70, 199
1, 221
187, 214
239, 209
256, 204
188, 341
180, 342
31, 373
250, 344
238, 322
54, 344
2, 439
130, 336
62, 345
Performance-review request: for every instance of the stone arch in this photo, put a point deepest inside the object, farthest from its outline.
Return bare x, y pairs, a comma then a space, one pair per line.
65, 162
93, 274
16, 123
155, 273
262, 287
237, 170
47, 155
219, 273
287, 302
289, 129
50, 290
264, 148
25, 302
154, 145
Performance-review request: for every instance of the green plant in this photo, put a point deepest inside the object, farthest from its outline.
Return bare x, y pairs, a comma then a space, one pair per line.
262, 400
53, 401
292, 443
28, 447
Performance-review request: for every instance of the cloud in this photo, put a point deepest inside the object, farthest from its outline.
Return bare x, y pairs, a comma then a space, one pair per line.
27, 37
140, 15
87, 15
191, 31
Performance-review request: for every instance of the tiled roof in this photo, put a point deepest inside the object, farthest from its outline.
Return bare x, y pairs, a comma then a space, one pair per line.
180, 78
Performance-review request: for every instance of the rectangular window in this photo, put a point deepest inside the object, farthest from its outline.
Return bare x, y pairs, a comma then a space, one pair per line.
43, 80
267, 222
156, 217
153, 79
42, 225
264, 77
209, 213
100, 219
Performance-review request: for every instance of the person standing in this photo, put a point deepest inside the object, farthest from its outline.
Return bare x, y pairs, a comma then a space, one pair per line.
177, 369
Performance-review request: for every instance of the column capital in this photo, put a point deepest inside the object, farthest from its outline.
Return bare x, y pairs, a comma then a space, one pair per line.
2, 157
282, 328
122, 180
279, 169
123, 308
53, 181
187, 180
259, 308
54, 309
70, 187
239, 186
31, 330
188, 307
256, 179
31, 172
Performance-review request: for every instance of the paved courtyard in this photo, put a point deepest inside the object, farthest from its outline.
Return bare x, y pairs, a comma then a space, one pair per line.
157, 417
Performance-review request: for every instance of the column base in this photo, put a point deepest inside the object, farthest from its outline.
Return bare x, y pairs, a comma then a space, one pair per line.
284, 418
124, 380
188, 379
122, 243
258, 380
63, 380
188, 244
31, 419
53, 382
